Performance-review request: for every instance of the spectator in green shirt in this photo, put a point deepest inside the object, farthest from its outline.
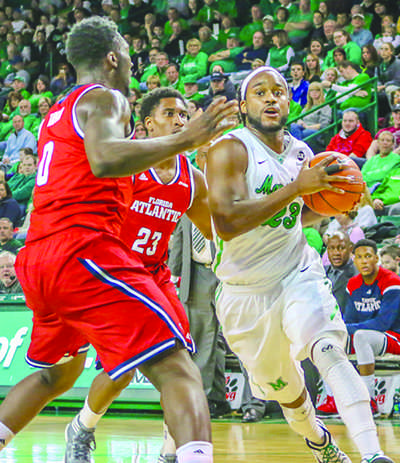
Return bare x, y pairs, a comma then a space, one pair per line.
11, 106
226, 57
377, 167
299, 25
158, 69
195, 61
22, 183
280, 55
247, 32
174, 78
19, 85
209, 44
7, 242
352, 78
41, 88
227, 27
192, 89
31, 121
173, 15
342, 39
209, 13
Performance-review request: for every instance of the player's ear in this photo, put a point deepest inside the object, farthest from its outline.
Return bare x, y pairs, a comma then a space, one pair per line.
148, 123
112, 59
243, 107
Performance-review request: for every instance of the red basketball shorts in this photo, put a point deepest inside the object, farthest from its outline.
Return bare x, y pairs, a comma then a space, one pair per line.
393, 342
89, 287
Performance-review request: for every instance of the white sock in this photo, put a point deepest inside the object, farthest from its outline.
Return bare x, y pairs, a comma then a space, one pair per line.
168, 447
302, 420
195, 452
5, 435
87, 417
369, 381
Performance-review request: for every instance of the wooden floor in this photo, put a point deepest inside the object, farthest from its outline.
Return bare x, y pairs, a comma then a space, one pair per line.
138, 440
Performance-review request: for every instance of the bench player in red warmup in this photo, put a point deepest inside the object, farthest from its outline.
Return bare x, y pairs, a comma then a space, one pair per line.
82, 282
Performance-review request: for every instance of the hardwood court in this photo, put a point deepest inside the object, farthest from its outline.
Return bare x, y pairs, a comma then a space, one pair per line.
138, 440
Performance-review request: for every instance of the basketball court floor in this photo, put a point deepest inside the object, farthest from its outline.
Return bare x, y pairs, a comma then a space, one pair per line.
138, 440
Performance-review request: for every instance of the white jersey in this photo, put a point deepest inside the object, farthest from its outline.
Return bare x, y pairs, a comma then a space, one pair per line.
268, 253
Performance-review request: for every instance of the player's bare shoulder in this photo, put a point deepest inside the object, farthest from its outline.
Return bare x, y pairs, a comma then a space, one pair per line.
227, 152
103, 101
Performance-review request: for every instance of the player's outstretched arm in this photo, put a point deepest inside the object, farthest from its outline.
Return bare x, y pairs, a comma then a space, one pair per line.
199, 212
232, 210
104, 115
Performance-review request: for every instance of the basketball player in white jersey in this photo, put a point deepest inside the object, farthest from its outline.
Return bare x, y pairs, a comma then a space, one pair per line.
275, 303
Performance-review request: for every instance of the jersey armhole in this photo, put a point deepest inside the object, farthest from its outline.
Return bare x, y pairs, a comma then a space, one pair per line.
75, 122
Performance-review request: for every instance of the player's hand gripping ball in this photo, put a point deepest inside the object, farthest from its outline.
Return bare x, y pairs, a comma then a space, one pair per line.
327, 202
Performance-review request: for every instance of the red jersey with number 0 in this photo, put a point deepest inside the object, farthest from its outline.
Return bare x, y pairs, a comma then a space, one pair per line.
66, 193
155, 210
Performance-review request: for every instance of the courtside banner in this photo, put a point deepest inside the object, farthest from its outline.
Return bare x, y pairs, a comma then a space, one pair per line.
15, 333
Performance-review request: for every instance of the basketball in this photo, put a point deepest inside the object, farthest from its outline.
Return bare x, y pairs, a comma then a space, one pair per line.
329, 203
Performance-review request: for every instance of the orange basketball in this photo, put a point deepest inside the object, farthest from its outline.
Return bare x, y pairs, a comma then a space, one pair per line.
327, 202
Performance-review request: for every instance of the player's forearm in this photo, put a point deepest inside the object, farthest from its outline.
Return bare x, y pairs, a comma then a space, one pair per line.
242, 216
122, 158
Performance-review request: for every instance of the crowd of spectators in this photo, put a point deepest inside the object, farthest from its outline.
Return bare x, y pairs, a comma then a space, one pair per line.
204, 48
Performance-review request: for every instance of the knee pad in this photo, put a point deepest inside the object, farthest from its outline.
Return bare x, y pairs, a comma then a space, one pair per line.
330, 359
326, 353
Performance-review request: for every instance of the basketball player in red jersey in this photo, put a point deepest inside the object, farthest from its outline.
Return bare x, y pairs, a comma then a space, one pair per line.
161, 195
82, 282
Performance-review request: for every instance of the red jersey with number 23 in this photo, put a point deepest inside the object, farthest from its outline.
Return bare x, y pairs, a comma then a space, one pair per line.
67, 193
155, 211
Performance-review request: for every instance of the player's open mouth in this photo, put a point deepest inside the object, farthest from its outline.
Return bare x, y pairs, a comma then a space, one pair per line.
271, 112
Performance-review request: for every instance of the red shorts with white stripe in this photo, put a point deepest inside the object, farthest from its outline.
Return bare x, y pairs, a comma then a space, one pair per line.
89, 287
393, 342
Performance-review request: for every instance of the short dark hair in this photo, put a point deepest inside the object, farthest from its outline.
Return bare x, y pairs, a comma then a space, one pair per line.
153, 98
173, 65
366, 242
91, 40
298, 63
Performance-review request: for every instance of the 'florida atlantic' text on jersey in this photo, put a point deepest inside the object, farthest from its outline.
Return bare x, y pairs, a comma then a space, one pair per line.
272, 250
155, 211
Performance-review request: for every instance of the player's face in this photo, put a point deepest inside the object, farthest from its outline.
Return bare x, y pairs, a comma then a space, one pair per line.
169, 117
338, 251
389, 263
366, 261
267, 103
